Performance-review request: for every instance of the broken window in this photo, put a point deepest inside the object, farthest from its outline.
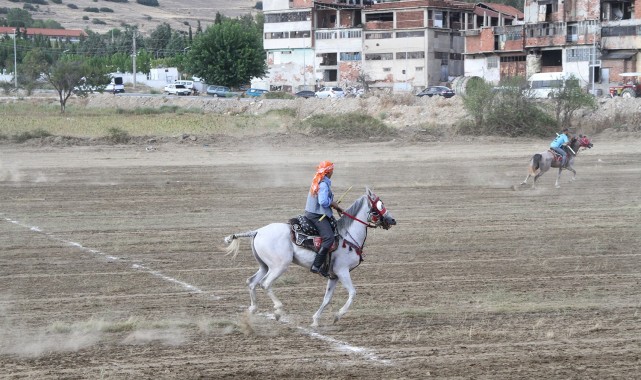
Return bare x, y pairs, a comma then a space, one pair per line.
328, 59
572, 34
388, 16
617, 10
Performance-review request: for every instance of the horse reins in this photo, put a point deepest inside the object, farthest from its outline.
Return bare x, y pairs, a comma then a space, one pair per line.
367, 224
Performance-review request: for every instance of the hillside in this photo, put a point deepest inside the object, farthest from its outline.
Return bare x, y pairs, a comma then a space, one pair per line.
174, 12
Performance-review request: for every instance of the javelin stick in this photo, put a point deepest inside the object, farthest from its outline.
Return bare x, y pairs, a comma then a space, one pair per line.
339, 201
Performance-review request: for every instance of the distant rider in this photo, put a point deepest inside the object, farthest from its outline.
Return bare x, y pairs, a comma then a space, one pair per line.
318, 209
558, 143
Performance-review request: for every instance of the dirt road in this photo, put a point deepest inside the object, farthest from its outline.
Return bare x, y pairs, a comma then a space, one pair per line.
112, 264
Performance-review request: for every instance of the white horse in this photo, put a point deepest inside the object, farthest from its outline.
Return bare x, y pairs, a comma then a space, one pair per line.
542, 162
274, 251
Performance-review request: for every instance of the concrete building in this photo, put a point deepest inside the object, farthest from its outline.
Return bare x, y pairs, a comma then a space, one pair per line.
404, 45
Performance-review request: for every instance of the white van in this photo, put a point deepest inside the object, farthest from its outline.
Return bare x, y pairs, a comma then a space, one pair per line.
545, 85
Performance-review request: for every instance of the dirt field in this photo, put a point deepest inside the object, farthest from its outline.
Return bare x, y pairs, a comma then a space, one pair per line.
112, 266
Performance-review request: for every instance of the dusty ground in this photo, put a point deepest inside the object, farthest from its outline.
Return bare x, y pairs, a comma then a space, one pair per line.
111, 263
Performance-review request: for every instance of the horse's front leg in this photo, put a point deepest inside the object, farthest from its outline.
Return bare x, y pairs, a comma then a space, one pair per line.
570, 168
346, 280
329, 292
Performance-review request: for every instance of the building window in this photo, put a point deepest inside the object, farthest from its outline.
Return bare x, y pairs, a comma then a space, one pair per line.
377, 36
276, 35
387, 69
417, 33
420, 68
287, 17
492, 62
300, 34
379, 57
410, 55
350, 34
578, 55
325, 35
351, 56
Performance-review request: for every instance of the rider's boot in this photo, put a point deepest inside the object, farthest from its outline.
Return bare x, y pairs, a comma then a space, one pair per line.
319, 262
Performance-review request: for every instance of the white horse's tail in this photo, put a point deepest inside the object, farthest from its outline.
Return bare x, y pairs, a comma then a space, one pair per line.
234, 244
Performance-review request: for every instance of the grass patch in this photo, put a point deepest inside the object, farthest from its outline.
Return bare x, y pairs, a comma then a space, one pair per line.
278, 95
28, 135
287, 112
350, 125
82, 122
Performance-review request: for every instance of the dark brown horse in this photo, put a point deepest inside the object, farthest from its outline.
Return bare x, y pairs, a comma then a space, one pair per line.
542, 162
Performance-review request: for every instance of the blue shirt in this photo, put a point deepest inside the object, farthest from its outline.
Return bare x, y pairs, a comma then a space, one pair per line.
559, 141
319, 204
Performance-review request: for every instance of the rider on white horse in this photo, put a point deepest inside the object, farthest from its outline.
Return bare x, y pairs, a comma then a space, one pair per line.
559, 142
318, 209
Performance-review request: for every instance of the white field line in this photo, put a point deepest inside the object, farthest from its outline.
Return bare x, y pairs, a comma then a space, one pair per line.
337, 345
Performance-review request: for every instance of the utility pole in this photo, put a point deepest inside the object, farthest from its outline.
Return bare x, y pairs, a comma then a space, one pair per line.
134, 59
15, 58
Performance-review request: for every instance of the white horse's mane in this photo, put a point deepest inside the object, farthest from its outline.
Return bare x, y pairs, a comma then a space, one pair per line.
345, 222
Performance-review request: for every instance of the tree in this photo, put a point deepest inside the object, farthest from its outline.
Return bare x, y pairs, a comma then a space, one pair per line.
19, 17
34, 64
568, 100
64, 75
159, 39
229, 53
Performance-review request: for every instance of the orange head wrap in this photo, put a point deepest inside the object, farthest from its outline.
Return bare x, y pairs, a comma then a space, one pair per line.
322, 170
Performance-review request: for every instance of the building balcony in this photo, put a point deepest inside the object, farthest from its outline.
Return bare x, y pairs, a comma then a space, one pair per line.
617, 35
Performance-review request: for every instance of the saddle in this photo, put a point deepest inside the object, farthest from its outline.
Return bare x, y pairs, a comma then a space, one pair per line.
555, 156
305, 234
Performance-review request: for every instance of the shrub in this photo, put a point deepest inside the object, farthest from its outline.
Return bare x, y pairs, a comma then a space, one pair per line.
91, 9
106, 10
507, 112
56, 1
85, 17
117, 135
346, 126
98, 22
72, 6
149, 3
7, 86
29, 7
118, 1
41, 2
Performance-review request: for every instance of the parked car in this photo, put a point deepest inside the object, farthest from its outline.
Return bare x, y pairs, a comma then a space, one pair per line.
219, 91
176, 89
255, 92
443, 91
305, 94
330, 92
189, 84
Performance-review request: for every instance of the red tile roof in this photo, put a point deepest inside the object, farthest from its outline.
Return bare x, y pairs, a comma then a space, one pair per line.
64, 33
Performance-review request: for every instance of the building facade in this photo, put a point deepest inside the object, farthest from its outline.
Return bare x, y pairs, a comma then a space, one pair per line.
352, 43
410, 44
